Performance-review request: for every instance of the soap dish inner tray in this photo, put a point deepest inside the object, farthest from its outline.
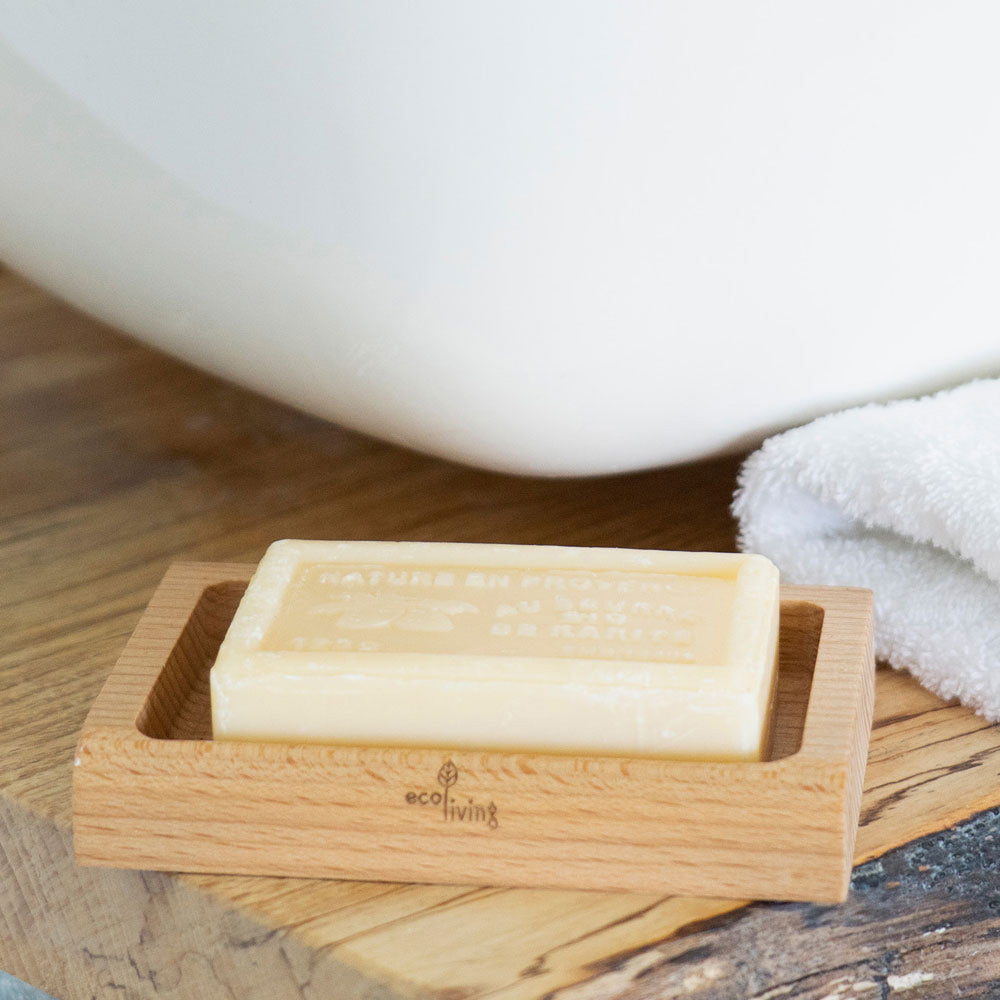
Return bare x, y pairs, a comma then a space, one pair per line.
151, 789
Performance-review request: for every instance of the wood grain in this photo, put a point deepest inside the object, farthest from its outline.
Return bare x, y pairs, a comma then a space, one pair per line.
920, 923
148, 795
117, 461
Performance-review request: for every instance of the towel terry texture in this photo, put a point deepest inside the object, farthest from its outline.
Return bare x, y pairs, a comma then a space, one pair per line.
903, 498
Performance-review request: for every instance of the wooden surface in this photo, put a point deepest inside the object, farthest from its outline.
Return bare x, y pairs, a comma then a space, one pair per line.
147, 795
116, 461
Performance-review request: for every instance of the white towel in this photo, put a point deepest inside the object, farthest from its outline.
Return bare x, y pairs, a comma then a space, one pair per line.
903, 498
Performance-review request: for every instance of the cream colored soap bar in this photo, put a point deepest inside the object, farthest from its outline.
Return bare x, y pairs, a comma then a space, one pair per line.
511, 647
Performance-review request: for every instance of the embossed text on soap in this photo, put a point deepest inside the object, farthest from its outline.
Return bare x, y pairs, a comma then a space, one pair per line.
599, 614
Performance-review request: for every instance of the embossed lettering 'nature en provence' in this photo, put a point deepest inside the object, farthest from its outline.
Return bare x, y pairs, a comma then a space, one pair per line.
535, 648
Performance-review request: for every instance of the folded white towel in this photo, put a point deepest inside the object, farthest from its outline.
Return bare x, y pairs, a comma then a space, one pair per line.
903, 498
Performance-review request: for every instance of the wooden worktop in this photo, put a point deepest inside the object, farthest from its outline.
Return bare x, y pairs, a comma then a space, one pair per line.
117, 460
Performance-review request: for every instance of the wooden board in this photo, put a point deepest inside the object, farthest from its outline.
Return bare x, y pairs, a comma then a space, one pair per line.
153, 790
116, 461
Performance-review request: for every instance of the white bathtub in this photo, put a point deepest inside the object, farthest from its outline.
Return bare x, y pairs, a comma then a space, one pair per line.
556, 237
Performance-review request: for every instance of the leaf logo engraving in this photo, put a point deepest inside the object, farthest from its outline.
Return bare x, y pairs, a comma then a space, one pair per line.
448, 774
447, 777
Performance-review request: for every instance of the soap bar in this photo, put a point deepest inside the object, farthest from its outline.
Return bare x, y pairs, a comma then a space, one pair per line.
506, 647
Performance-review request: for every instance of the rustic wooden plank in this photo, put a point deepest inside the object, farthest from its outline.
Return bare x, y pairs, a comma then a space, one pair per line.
921, 923
117, 461
80, 932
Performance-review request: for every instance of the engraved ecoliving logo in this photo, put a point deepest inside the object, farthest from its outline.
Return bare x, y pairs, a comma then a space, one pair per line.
452, 809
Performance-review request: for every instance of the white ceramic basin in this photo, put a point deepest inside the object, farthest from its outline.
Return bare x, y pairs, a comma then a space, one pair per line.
557, 237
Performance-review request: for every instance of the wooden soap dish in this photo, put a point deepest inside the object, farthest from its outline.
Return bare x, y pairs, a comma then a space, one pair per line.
151, 788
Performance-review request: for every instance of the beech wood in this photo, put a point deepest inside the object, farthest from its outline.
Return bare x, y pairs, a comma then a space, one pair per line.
153, 790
